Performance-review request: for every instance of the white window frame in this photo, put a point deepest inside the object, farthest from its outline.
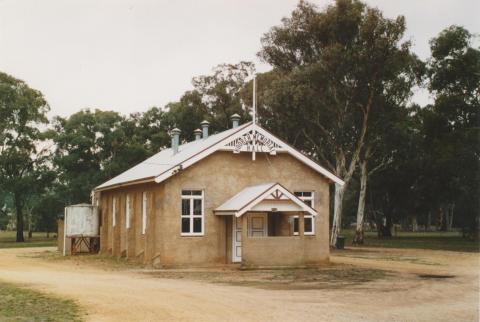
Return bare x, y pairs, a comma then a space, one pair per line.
114, 211
127, 211
305, 198
191, 215
144, 212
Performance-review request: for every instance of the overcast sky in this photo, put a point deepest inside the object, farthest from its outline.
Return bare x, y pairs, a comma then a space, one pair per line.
130, 55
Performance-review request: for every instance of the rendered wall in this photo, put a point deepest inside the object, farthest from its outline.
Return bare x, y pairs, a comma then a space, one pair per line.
118, 240
300, 251
221, 176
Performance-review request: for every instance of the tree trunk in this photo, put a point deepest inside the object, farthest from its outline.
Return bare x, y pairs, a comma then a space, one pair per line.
414, 224
450, 217
443, 219
359, 231
337, 212
428, 226
30, 231
385, 227
388, 227
19, 215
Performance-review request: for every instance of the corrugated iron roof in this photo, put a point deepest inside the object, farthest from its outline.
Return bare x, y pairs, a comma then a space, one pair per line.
166, 159
243, 197
250, 196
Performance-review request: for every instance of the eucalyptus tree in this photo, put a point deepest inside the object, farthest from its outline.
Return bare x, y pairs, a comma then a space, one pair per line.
147, 131
214, 97
338, 66
220, 93
452, 125
90, 147
22, 153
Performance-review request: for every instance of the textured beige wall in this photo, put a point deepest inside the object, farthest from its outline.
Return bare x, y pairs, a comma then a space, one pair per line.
221, 176
104, 235
284, 250
118, 240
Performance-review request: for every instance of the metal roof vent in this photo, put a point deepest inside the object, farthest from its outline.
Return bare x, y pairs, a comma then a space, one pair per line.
205, 125
235, 120
198, 134
175, 133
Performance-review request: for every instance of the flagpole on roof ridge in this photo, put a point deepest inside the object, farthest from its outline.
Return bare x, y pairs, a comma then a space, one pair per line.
254, 116
254, 99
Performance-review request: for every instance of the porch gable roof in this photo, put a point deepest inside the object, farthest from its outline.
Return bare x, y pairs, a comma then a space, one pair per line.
273, 194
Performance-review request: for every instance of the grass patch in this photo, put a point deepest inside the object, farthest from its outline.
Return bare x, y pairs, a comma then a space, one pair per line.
451, 241
106, 262
39, 239
22, 304
383, 256
329, 277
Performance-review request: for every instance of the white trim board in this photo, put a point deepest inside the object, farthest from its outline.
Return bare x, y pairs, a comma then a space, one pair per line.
224, 145
251, 199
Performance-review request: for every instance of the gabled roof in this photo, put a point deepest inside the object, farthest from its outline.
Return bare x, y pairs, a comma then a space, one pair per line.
273, 195
165, 164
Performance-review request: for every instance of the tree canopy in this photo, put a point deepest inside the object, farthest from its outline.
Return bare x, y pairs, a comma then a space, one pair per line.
339, 90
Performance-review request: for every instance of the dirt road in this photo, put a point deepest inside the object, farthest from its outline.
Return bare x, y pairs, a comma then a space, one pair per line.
132, 295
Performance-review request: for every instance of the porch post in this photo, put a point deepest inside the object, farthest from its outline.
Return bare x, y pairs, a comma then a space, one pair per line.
301, 224
244, 234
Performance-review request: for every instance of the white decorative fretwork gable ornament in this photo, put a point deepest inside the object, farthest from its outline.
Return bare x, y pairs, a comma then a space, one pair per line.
254, 141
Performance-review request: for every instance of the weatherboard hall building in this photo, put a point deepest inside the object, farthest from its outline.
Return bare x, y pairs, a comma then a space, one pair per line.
239, 196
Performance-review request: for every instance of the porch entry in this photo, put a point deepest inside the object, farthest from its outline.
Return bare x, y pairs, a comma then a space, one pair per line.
257, 227
269, 208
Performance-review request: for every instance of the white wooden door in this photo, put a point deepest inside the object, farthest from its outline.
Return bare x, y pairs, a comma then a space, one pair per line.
237, 240
257, 227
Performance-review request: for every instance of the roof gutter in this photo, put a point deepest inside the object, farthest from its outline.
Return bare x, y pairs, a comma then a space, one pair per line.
124, 184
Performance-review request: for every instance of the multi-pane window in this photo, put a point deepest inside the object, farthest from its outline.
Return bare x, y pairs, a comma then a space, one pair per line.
307, 197
127, 211
144, 212
114, 211
192, 212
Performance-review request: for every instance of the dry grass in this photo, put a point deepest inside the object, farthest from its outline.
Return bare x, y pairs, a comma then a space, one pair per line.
435, 240
353, 252
21, 304
105, 262
7, 240
325, 277
331, 276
